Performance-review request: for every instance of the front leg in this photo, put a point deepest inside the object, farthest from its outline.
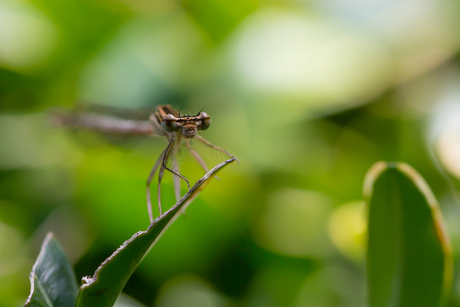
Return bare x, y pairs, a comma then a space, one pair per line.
209, 144
197, 157
176, 180
149, 180
166, 156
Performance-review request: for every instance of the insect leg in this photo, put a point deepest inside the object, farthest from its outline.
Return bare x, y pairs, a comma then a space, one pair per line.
164, 157
167, 168
176, 180
196, 156
149, 180
209, 144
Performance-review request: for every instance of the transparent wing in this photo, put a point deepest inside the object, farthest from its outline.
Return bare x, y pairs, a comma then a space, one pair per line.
116, 126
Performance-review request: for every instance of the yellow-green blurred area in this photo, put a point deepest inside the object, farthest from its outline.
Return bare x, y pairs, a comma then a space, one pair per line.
307, 94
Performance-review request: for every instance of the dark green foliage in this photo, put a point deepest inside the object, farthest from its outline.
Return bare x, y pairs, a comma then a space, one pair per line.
409, 258
52, 279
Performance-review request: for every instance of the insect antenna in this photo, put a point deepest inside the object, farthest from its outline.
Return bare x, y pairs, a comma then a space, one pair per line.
200, 111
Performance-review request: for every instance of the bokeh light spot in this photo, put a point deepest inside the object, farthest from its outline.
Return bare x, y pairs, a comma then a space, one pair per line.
347, 229
189, 291
294, 223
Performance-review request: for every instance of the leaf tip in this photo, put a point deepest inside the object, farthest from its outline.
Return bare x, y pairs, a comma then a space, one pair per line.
49, 236
419, 182
371, 176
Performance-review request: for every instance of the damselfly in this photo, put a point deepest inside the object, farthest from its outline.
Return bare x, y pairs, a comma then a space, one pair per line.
167, 122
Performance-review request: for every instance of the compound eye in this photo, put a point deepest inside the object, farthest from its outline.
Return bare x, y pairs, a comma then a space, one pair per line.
168, 123
205, 121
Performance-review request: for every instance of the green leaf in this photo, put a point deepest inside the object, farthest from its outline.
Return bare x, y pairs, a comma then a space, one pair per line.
110, 277
52, 280
409, 258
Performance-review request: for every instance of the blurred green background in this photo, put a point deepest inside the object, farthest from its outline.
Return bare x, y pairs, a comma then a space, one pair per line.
307, 94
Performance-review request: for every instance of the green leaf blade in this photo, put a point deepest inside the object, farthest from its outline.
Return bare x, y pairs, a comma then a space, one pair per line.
52, 279
103, 288
409, 259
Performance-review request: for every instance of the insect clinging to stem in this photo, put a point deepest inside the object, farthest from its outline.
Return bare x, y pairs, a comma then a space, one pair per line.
166, 122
